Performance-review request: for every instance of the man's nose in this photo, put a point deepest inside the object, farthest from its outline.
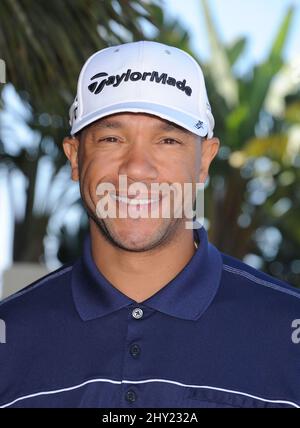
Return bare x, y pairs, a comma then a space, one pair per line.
138, 163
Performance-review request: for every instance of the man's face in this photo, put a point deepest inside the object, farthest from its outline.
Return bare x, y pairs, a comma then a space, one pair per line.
145, 149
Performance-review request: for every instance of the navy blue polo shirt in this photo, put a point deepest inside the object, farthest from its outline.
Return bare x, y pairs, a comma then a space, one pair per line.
218, 335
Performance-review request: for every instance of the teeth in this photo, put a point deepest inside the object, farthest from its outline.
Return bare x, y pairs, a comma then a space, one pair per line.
132, 201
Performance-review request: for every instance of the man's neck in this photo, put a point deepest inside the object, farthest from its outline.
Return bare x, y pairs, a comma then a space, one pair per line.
139, 275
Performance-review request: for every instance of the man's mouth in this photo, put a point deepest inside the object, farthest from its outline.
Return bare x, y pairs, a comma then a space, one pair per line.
135, 200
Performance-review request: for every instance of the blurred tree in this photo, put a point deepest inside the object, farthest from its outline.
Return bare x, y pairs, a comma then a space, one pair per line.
253, 201
253, 198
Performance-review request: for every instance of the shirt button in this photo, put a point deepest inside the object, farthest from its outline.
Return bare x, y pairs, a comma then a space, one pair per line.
137, 313
135, 350
130, 396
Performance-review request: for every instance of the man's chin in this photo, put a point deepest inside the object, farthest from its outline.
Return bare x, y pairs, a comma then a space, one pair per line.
139, 234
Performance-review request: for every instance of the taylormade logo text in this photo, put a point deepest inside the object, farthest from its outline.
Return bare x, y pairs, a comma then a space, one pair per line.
115, 80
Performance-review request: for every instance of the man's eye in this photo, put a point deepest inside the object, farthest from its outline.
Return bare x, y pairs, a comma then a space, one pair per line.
108, 140
170, 141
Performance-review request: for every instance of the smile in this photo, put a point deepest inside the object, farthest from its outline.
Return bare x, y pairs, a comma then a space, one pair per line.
133, 201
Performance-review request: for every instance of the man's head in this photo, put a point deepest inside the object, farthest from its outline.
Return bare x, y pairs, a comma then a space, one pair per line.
142, 112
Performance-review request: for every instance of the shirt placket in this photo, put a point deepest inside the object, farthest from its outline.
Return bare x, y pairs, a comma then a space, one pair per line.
131, 393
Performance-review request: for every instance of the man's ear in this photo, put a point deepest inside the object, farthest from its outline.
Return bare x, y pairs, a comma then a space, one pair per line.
71, 145
209, 150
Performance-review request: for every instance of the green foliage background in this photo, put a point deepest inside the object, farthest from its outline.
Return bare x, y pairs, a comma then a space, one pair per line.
253, 197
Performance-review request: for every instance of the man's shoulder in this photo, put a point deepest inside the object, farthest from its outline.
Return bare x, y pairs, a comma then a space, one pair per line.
241, 274
38, 291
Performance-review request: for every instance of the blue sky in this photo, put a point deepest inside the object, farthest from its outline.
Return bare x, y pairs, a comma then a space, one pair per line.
257, 19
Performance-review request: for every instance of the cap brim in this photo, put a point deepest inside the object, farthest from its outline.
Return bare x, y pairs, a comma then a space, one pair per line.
196, 125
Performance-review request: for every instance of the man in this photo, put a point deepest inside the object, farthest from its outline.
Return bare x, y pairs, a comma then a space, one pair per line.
151, 315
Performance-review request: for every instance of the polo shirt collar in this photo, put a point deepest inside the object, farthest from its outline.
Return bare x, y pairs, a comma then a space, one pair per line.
187, 296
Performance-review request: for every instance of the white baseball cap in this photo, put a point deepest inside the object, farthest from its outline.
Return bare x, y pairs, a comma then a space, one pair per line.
143, 77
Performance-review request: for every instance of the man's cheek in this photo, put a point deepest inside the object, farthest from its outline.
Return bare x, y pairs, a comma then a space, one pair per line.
88, 187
